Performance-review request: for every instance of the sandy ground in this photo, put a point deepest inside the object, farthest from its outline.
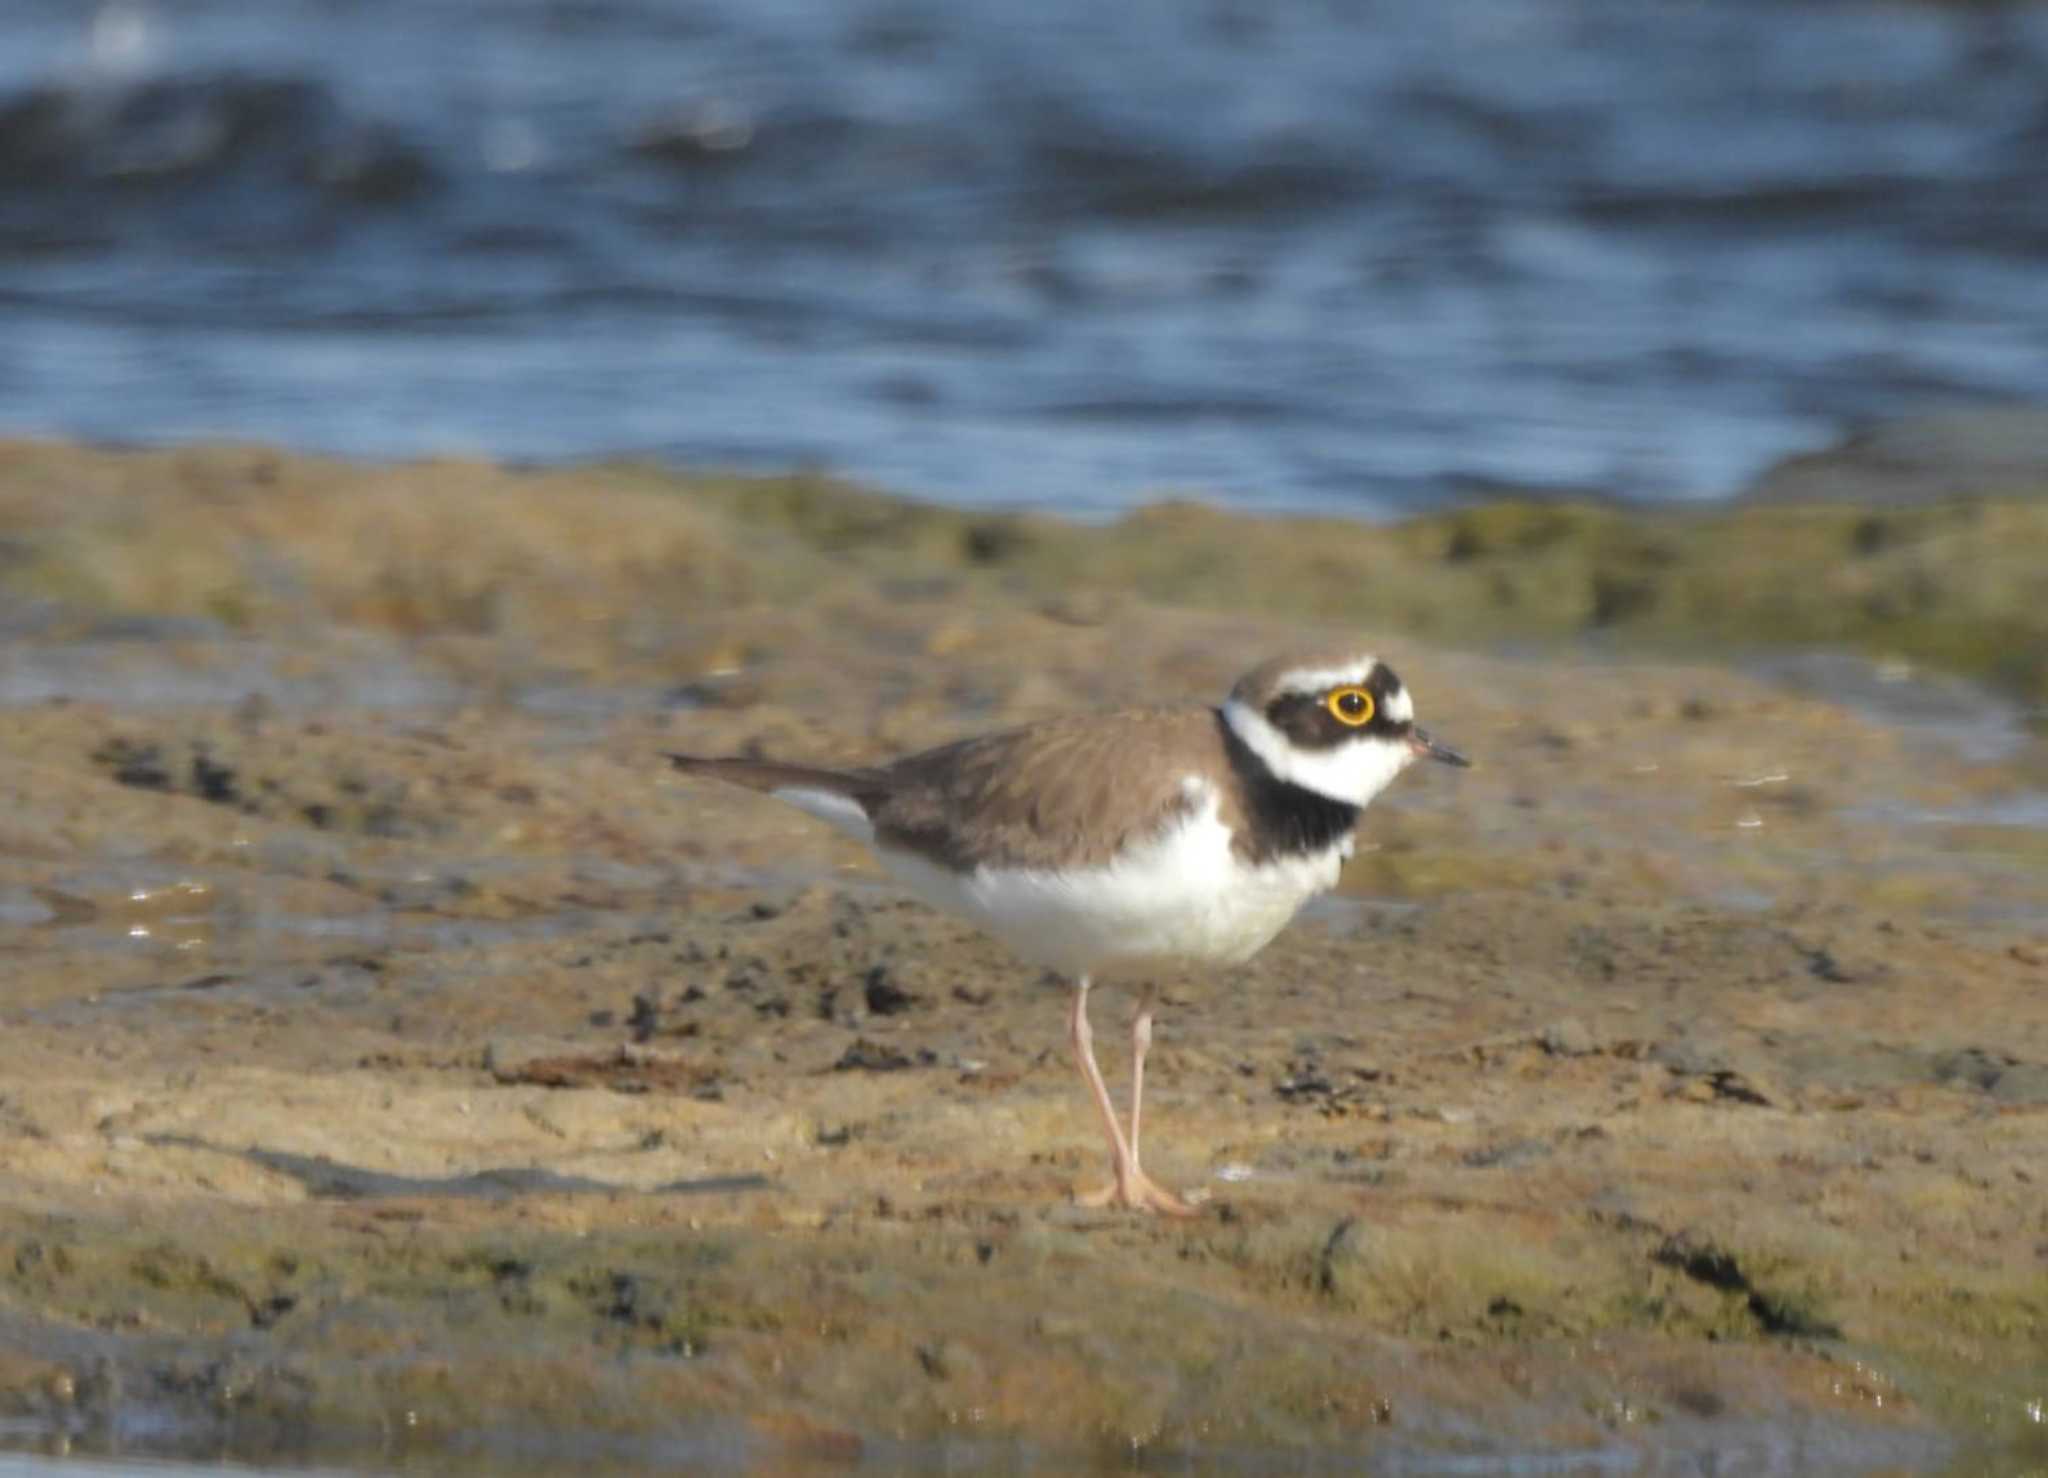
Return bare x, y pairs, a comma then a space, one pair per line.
398, 1060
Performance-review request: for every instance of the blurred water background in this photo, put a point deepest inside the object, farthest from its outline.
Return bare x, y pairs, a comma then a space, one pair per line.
1346, 255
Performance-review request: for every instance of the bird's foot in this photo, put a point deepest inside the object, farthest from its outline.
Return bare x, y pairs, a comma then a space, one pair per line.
1138, 1191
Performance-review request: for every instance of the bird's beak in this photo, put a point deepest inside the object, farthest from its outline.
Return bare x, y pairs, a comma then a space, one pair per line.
1422, 744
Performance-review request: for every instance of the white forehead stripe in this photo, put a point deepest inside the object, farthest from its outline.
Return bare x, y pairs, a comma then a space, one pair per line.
1322, 679
1399, 707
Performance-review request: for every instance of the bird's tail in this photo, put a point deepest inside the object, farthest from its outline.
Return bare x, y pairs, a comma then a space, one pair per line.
771, 775
841, 797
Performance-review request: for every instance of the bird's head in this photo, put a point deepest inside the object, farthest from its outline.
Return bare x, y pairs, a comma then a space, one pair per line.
1340, 725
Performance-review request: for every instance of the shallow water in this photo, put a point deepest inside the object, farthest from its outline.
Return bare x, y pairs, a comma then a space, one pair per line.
1762, 1451
23, 1465
1945, 714
1356, 256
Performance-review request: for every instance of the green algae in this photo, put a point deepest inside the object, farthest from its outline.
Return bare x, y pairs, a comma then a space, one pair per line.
1959, 585
1252, 1329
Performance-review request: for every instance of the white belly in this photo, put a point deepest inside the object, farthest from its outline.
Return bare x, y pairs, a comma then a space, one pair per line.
1182, 897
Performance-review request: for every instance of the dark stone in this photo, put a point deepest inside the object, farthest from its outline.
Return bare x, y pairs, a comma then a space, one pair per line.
213, 782
883, 995
867, 1055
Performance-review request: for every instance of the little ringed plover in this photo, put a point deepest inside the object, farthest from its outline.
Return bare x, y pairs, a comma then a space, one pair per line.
1130, 840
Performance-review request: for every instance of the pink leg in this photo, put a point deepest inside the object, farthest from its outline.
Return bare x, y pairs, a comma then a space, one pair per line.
1083, 1039
1131, 1188
1141, 1043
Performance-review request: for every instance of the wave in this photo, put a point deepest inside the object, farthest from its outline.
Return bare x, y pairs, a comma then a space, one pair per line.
225, 128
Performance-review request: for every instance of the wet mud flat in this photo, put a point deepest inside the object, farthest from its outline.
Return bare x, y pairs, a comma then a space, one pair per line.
399, 1064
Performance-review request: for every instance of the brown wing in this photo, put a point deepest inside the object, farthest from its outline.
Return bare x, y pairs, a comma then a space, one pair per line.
1068, 791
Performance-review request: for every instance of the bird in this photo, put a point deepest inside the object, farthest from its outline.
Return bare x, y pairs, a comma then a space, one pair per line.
1129, 841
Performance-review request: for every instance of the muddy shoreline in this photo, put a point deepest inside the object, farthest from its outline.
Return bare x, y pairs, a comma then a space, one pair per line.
397, 1062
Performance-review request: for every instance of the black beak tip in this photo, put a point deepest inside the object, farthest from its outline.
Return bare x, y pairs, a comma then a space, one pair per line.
1442, 753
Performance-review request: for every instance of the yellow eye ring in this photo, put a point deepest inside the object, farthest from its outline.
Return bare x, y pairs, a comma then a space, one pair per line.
1352, 706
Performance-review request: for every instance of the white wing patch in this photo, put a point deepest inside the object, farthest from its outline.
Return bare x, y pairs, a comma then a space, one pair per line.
828, 805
